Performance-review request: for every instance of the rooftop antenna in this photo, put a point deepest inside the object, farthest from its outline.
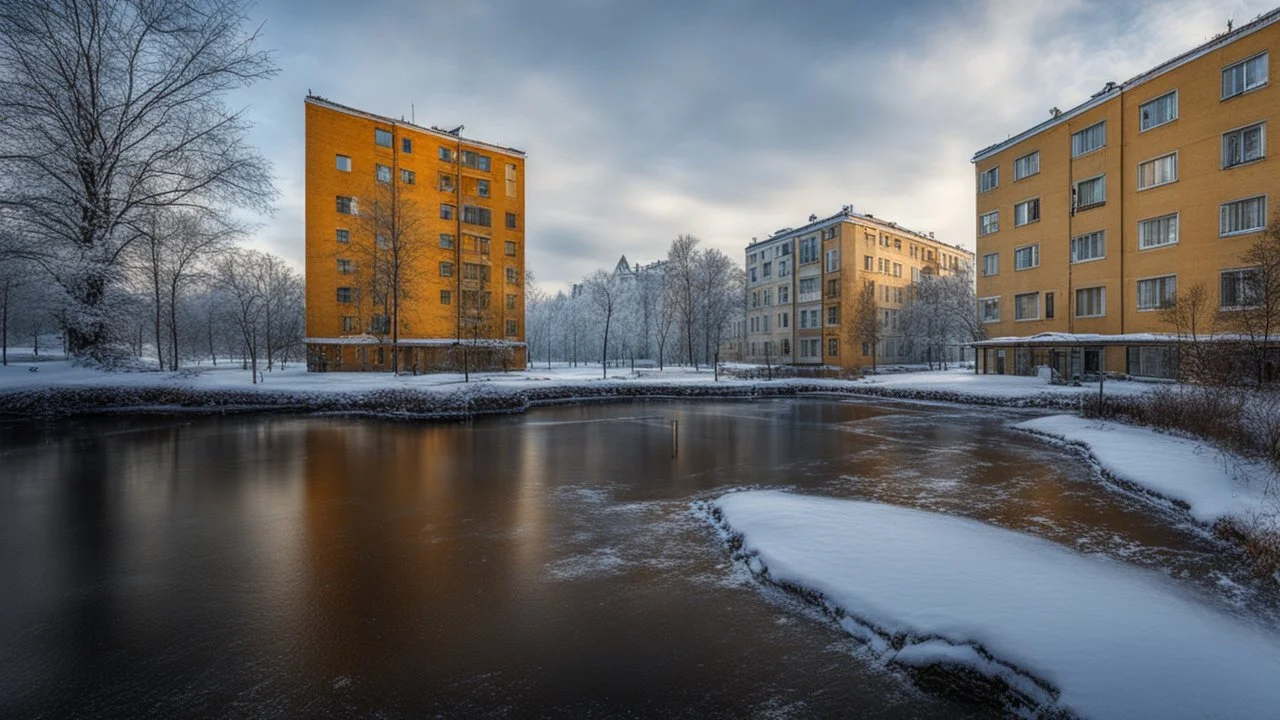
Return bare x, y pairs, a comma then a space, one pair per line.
412, 117
1230, 21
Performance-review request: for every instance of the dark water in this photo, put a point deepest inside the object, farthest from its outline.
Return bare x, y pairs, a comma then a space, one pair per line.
541, 565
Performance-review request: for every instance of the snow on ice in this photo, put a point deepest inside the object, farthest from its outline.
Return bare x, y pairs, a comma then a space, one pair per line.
1085, 633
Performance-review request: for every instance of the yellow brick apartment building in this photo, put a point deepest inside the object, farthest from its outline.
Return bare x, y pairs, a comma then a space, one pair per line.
804, 285
414, 245
1092, 220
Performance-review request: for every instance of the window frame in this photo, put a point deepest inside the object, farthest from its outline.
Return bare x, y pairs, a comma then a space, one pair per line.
1076, 192
994, 172
1246, 231
1081, 132
338, 158
1221, 273
1039, 306
994, 255
1177, 107
1152, 161
377, 135
1075, 260
1036, 249
1026, 203
1033, 153
1261, 125
1244, 89
982, 231
1137, 291
1177, 232
982, 318
1102, 302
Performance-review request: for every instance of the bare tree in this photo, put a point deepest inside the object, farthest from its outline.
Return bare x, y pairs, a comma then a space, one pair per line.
865, 326
113, 108
667, 310
602, 288
538, 316
720, 288
1254, 312
682, 269
1191, 313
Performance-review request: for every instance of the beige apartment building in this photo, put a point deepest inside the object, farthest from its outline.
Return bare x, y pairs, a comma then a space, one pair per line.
803, 288
1092, 221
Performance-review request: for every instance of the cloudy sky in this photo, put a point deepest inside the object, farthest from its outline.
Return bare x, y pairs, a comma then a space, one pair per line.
726, 119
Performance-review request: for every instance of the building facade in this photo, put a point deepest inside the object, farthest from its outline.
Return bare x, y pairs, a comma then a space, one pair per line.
804, 287
414, 245
1092, 221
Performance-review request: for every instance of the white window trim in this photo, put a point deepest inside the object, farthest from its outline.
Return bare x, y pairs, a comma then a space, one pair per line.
1232, 308
1015, 257
1263, 138
1015, 166
980, 301
1076, 310
983, 215
1266, 206
983, 174
1177, 108
1039, 306
1076, 187
1177, 169
1103, 256
1241, 62
1024, 202
1090, 127
1137, 295
1138, 231
984, 264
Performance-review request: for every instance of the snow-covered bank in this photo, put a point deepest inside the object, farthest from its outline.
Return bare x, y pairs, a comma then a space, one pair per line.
61, 388
1060, 629
1211, 484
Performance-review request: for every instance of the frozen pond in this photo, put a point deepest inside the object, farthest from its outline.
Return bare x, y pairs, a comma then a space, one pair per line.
545, 564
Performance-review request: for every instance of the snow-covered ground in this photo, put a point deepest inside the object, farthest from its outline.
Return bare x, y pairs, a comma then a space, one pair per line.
1061, 628
953, 385
1212, 484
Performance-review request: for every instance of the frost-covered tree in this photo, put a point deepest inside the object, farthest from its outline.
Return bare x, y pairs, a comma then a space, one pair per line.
682, 272
603, 292
110, 109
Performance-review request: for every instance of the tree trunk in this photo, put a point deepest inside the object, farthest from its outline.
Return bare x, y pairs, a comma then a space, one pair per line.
604, 352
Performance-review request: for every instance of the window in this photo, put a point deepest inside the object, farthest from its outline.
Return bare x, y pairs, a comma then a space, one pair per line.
511, 275
1240, 288
344, 163
833, 288
344, 235
511, 180
475, 160
446, 269
810, 347
407, 177
1090, 246
989, 179
786, 346
1155, 293
1089, 139
809, 250
1091, 193
446, 154
897, 269
447, 183
347, 205
1048, 306
868, 262
833, 346
1242, 216
828, 233
379, 324
482, 188
808, 289
483, 245
753, 274
513, 328
989, 309
1244, 76
1026, 212
474, 271
1158, 232
784, 293
833, 260
447, 211
766, 270
512, 221
446, 297
1244, 145
511, 301
1026, 166
833, 314
1091, 302
446, 240
1157, 362
1160, 171
510, 248
381, 137
989, 223
344, 294
344, 266
1026, 306
1155, 113
348, 323
809, 319
991, 264
1026, 257
473, 215
406, 145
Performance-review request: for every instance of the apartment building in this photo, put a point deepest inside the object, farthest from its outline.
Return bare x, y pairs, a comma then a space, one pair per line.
803, 288
1092, 221
414, 245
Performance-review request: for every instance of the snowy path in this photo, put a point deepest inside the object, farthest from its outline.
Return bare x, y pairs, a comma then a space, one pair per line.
1082, 632
1212, 484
